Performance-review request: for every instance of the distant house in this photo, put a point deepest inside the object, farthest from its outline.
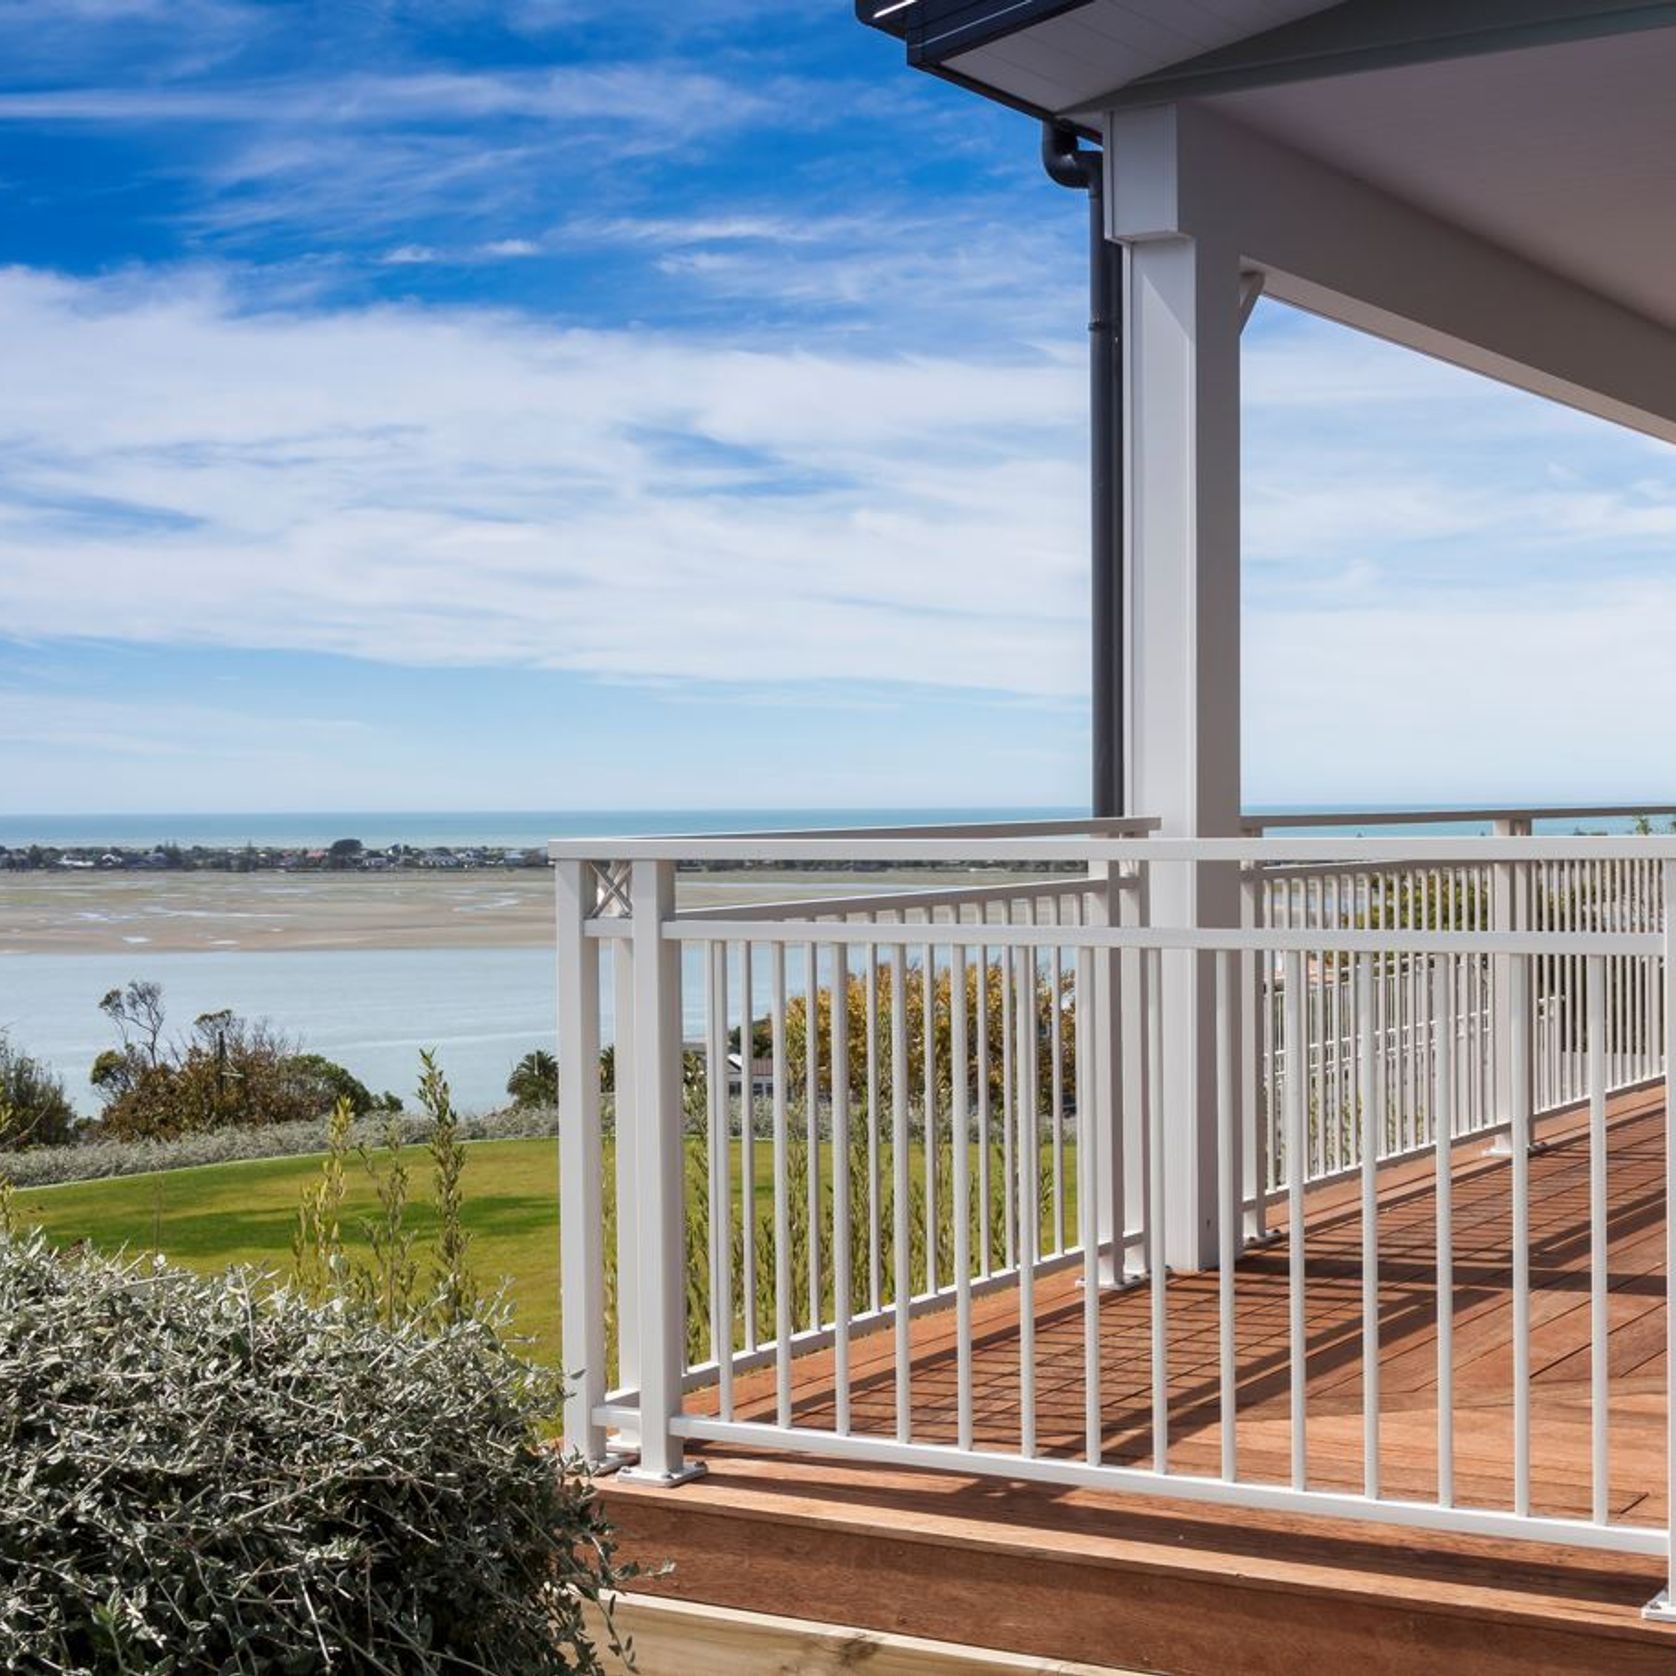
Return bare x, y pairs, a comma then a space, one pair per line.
762, 1076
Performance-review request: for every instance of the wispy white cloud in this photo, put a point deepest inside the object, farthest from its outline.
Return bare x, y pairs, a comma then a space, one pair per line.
455, 487
431, 486
683, 99
341, 156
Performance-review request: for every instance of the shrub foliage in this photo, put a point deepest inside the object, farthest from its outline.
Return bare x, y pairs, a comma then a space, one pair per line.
204, 1476
226, 1071
34, 1109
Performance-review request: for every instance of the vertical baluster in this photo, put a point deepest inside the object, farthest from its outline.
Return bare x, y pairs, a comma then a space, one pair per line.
1343, 1138
1229, 1179
1665, 1605
1088, 1210
1617, 971
811, 1123
1614, 971
985, 1242
1371, 1104
1638, 921
782, 1207
721, 1197
1157, 1231
1056, 1088
961, 1164
1296, 1143
1009, 1105
1027, 1152
1318, 1143
1443, 1123
1248, 1054
903, 1285
747, 1151
875, 1230
1408, 1117
928, 1018
841, 1256
1520, 1008
1599, 1342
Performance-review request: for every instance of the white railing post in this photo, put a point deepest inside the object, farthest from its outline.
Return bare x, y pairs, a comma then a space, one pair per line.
1509, 911
659, 1174
1663, 1606
581, 1163
1252, 1120
1129, 1131
1102, 1126
624, 1135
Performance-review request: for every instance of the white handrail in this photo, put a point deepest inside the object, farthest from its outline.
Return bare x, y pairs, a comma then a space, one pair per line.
1426, 851
1280, 821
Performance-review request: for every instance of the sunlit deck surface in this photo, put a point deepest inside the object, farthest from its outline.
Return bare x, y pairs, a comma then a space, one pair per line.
1135, 1581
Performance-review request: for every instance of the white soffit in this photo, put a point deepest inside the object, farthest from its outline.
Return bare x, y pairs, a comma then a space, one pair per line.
1069, 59
1564, 154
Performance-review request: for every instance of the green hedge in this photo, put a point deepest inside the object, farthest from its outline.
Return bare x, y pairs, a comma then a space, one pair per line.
212, 1476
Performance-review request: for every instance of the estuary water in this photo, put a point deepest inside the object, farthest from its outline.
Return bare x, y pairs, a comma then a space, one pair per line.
371, 1009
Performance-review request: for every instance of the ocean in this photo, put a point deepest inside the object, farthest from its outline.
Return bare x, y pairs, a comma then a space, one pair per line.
508, 828
524, 828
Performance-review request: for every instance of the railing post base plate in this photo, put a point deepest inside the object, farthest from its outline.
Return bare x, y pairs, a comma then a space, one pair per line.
637, 1474
1111, 1284
1661, 1609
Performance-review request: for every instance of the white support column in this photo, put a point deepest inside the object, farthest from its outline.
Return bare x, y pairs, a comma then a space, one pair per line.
1181, 333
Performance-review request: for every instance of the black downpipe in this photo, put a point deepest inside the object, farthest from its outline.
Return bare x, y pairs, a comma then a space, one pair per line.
1067, 163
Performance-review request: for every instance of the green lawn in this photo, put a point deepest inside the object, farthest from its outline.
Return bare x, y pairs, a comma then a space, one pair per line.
208, 1218
222, 1214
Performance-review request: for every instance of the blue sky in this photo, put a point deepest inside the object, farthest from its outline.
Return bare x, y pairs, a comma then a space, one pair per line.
607, 403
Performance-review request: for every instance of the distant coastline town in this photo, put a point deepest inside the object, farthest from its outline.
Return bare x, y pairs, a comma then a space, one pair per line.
345, 855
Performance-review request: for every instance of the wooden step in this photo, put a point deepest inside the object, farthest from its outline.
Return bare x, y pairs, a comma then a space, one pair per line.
682, 1638
1130, 1582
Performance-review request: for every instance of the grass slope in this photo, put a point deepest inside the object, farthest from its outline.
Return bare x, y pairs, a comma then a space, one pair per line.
216, 1215
220, 1214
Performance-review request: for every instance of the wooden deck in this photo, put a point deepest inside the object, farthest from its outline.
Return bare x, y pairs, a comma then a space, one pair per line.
1132, 1580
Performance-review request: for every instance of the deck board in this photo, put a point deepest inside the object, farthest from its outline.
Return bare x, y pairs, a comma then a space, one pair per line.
1408, 1370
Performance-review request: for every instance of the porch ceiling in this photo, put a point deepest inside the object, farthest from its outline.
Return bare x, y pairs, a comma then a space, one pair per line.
1565, 154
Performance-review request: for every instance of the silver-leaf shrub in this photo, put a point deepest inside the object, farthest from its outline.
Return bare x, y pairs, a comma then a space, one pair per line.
204, 1476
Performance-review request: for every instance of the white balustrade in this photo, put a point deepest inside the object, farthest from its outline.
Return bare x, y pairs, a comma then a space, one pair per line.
954, 1100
